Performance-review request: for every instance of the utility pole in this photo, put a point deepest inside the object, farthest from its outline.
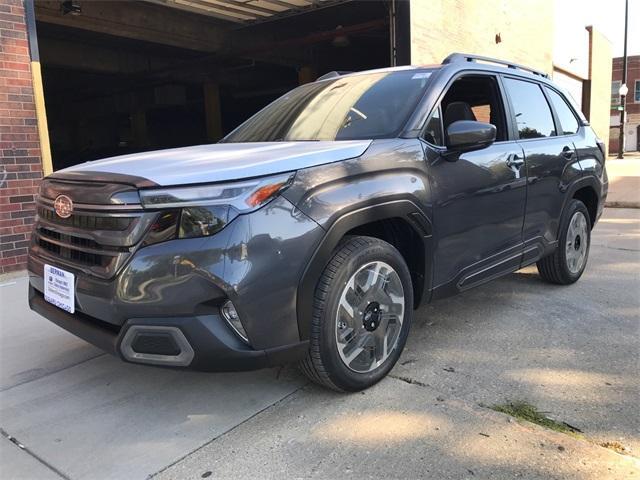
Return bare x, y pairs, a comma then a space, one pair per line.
623, 87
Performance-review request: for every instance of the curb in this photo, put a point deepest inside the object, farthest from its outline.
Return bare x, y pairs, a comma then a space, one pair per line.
5, 277
622, 204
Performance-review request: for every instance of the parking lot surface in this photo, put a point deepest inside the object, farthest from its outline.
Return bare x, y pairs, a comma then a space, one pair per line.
573, 352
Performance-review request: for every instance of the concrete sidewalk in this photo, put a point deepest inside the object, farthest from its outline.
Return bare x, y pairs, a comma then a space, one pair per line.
624, 181
396, 430
573, 352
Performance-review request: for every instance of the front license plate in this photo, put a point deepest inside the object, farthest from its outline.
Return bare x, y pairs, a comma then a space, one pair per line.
59, 288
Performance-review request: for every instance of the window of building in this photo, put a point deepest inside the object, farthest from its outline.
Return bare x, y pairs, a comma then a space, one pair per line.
568, 123
530, 108
615, 96
636, 92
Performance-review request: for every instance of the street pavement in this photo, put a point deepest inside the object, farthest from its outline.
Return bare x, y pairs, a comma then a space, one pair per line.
573, 352
624, 181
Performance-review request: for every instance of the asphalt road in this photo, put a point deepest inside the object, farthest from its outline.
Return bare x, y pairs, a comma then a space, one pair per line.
573, 352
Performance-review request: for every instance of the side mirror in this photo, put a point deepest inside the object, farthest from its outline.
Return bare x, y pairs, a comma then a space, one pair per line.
468, 135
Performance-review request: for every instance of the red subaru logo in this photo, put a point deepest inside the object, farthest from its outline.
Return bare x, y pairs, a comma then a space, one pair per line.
63, 206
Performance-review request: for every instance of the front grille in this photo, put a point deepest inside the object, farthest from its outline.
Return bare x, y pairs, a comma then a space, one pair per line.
101, 234
87, 221
70, 239
75, 256
77, 250
97, 243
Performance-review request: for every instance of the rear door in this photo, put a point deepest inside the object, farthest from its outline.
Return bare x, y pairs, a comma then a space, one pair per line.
551, 163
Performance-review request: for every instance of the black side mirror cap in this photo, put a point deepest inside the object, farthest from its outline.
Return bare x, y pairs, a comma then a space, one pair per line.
468, 135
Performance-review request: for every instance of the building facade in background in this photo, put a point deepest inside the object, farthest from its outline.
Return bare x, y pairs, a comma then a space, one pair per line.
536, 33
84, 80
21, 155
632, 105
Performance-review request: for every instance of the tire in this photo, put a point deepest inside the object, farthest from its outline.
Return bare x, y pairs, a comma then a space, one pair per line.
563, 267
338, 330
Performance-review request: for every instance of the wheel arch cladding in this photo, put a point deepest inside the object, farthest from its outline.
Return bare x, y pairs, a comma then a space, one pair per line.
398, 232
400, 223
589, 197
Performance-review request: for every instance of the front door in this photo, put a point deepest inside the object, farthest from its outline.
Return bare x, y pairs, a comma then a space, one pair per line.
479, 197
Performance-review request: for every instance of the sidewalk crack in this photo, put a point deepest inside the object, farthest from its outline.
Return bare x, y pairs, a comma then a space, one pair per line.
22, 447
409, 380
226, 432
53, 372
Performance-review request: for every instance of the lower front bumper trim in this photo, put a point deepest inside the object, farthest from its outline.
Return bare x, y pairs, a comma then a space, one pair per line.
183, 358
205, 343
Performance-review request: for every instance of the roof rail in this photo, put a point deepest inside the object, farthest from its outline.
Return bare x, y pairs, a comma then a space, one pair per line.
333, 74
465, 57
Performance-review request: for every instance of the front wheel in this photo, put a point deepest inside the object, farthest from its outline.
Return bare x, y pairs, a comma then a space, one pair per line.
363, 308
568, 262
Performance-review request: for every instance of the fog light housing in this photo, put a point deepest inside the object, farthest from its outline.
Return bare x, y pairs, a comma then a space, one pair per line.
232, 318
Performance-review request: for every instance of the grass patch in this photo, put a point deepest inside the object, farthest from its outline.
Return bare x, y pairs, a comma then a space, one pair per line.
526, 411
616, 447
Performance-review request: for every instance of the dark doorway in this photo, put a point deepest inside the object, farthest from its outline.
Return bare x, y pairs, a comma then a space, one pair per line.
108, 94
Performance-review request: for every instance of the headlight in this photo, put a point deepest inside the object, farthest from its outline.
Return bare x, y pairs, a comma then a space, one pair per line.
203, 210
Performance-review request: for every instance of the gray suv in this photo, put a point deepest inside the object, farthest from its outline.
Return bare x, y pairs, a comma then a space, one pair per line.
313, 231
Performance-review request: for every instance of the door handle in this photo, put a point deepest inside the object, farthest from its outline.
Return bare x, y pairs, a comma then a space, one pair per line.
567, 152
515, 160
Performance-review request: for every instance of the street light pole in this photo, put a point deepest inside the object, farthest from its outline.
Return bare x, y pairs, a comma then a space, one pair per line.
623, 87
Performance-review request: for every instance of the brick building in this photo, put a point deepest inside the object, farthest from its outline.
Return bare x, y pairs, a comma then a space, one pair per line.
81, 80
632, 105
21, 166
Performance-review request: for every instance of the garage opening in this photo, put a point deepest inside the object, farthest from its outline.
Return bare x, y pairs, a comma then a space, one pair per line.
124, 77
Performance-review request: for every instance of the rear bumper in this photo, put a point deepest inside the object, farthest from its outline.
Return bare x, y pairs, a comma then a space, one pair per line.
214, 347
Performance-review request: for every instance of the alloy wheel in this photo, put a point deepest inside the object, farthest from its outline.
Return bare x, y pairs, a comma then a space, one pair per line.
369, 317
577, 242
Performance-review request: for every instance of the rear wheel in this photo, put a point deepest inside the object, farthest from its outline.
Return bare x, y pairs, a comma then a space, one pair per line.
568, 262
362, 314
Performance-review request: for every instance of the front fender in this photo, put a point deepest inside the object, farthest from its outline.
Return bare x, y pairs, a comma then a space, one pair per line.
389, 181
400, 208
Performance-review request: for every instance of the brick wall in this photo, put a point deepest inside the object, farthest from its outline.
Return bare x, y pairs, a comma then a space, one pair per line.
525, 29
633, 75
632, 108
20, 162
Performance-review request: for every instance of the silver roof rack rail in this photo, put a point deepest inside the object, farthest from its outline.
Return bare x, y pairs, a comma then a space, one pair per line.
465, 57
333, 74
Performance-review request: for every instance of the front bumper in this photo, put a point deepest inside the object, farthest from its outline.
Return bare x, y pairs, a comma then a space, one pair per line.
177, 287
215, 348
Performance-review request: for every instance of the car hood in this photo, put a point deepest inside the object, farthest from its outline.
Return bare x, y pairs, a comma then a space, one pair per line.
218, 162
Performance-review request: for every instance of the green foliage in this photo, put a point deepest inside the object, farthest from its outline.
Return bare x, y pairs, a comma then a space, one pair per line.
528, 412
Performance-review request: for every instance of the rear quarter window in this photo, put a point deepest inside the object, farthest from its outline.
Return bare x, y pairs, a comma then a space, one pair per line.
568, 122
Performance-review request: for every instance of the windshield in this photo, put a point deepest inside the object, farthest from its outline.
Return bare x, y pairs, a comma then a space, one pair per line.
356, 107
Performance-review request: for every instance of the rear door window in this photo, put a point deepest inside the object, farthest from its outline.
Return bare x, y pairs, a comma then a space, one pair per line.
568, 122
530, 108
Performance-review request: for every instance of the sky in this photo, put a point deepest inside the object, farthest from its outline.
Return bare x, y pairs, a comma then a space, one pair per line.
608, 17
